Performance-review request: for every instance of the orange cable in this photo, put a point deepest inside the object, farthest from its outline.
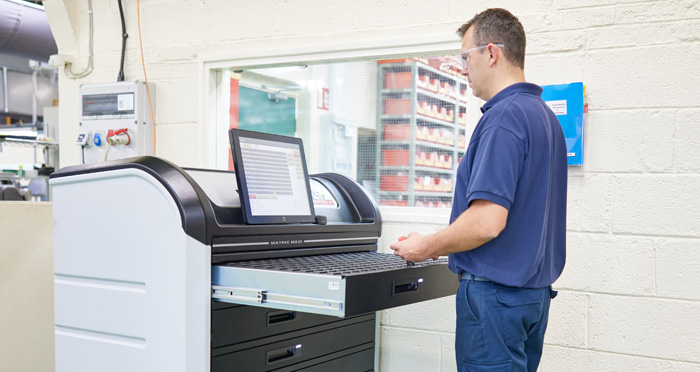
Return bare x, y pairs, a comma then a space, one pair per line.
153, 119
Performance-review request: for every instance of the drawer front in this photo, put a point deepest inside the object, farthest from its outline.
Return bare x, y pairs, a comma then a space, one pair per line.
362, 361
284, 353
238, 324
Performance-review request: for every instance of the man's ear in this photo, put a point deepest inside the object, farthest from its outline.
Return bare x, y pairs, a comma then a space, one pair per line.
494, 54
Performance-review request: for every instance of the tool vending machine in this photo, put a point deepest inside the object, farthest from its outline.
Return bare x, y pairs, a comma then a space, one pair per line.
115, 121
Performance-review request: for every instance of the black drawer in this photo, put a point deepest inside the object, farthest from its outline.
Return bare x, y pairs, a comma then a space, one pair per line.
259, 356
343, 285
235, 324
351, 360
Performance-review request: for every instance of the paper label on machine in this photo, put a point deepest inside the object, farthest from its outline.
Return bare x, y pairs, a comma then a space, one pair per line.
322, 197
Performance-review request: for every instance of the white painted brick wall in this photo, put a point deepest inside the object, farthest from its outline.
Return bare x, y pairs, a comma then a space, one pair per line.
629, 297
686, 154
677, 263
414, 350
652, 327
657, 204
595, 201
630, 141
568, 321
585, 360
601, 263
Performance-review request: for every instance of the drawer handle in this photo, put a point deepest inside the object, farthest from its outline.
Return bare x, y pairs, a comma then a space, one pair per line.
283, 354
406, 286
278, 317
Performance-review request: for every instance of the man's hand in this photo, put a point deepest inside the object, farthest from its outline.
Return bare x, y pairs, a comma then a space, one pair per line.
415, 248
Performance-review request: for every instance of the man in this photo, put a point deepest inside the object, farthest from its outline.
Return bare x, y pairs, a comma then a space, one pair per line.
506, 238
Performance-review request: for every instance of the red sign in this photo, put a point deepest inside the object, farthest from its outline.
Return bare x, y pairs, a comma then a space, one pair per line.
323, 99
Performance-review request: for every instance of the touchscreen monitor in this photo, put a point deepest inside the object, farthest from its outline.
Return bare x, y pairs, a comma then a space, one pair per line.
273, 183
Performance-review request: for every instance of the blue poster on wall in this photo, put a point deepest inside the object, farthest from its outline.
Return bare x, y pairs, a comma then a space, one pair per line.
566, 100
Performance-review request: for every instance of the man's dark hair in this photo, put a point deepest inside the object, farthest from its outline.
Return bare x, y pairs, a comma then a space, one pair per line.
498, 26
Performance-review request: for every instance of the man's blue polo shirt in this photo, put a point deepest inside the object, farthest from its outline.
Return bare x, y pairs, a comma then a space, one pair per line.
516, 158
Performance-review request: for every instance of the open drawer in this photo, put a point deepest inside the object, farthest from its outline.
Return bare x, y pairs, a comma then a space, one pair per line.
343, 285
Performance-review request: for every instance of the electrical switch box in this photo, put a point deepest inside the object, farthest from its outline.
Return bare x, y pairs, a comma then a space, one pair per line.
111, 109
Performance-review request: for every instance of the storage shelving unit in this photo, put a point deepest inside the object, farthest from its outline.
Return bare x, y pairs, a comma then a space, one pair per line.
421, 116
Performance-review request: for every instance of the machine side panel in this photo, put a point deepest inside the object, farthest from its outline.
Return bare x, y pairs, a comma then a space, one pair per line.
131, 288
101, 297
77, 351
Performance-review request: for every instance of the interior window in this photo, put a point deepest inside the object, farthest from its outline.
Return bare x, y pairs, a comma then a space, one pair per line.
396, 126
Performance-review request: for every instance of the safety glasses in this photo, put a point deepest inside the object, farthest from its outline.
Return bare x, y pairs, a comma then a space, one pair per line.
464, 57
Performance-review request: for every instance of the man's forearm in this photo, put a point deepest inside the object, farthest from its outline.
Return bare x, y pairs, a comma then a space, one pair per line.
479, 224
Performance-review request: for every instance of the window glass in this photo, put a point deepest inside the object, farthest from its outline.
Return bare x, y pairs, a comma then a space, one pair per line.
396, 126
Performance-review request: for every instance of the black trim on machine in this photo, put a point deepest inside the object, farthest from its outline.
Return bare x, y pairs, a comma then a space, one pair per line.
212, 224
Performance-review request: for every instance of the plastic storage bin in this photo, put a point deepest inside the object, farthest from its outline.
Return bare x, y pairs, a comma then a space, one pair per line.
397, 80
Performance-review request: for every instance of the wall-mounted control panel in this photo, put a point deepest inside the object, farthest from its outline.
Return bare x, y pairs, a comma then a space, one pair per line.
115, 121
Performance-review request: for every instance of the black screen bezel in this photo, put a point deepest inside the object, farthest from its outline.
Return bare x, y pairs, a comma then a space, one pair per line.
248, 218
